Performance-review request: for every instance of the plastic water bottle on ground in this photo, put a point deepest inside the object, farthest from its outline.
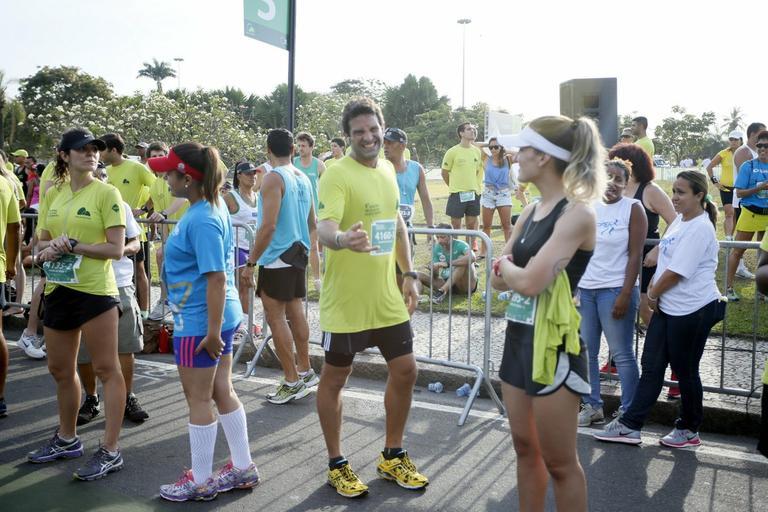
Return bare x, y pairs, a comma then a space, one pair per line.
505, 296
464, 390
435, 387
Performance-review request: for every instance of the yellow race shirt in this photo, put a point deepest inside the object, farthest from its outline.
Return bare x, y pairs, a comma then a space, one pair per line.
85, 216
465, 169
359, 289
647, 144
160, 193
330, 162
48, 177
726, 167
9, 214
130, 178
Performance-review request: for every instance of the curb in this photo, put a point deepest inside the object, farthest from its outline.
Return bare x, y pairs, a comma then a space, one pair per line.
721, 420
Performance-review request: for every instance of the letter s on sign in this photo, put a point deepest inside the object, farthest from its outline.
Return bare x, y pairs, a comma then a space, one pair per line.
269, 15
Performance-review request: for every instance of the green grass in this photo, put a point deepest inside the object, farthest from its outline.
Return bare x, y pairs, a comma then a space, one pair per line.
740, 316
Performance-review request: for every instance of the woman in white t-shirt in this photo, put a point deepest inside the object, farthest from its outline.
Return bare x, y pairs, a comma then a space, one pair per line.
609, 292
687, 304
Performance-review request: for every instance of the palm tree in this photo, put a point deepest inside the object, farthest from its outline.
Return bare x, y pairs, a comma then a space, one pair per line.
733, 120
157, 71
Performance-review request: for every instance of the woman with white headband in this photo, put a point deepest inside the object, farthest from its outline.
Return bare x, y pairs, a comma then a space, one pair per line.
542, 264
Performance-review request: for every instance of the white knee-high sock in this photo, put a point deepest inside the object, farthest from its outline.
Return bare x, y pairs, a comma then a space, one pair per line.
202, 441
236, 431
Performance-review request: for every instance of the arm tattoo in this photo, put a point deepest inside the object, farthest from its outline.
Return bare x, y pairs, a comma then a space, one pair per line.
560, 265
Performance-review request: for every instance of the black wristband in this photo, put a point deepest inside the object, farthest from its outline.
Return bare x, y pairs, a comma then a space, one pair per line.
250, 264
412, 275
73, 243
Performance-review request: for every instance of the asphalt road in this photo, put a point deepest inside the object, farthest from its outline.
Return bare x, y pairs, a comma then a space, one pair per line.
470, 467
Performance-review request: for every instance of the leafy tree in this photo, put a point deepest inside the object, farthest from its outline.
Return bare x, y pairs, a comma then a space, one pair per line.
684, 135
435, 131
413, 97
157, 71
321, 116
53, 87
272, 111
374, 89
733, 121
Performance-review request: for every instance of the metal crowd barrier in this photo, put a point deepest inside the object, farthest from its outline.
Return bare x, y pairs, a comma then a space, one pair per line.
435, 344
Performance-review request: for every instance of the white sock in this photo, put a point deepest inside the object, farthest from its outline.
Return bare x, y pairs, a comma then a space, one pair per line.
236, 431
202, 441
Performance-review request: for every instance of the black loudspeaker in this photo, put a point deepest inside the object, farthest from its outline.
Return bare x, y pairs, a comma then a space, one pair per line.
595, 98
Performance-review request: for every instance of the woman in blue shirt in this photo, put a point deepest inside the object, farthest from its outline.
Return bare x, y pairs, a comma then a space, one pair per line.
199, 272
497, 194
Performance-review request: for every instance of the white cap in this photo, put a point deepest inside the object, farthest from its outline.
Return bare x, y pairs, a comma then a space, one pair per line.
531, 138
735, 134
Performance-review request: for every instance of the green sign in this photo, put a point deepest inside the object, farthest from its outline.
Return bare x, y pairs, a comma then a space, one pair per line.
267, 20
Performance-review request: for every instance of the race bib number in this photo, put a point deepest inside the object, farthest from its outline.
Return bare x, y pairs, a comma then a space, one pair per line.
63, 270
521, 309
383, 236
406, 212
466, 197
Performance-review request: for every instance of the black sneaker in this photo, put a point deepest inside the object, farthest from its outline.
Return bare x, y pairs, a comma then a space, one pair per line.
56, 448
438, 297
3, 408
89, 410
133, 410
100, 465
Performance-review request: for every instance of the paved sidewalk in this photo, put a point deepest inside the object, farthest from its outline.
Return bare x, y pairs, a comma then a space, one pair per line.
471, 468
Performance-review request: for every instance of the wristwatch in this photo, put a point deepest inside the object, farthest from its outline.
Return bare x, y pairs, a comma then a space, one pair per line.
412, 275
250, 264
714, 179
73, 243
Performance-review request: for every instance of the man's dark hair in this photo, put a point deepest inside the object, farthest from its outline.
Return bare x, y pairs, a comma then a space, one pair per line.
306, 137
114, 141
360, 107
339, 142
754, 128
30, 157
641, 120
157, 146
461, 127
280, 142
444, 225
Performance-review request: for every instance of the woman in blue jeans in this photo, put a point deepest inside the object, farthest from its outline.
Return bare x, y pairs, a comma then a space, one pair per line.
686, 304
608, 291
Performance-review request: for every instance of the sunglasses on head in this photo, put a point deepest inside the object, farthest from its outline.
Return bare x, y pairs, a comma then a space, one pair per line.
494, 146
762, 146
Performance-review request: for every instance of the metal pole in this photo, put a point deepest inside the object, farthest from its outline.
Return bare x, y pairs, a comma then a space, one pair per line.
291, 63
178, 60
464, 22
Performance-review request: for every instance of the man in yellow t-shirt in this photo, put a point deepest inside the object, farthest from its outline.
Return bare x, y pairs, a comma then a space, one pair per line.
131, 179
9, 245
725, 182
462, 171
360, 305
639, 129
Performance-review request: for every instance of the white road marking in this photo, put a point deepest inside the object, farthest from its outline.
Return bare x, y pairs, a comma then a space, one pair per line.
650, 439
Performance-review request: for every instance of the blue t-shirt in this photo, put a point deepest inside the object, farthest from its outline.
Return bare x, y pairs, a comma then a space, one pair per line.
202, 242
311, 173
751, 173
497, 177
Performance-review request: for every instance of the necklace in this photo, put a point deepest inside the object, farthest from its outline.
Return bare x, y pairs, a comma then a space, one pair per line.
528, 225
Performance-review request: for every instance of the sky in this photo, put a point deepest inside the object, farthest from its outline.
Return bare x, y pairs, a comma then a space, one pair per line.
663, 53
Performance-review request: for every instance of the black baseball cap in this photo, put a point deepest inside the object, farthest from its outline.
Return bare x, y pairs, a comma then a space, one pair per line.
395, 135
245, 167
77, 138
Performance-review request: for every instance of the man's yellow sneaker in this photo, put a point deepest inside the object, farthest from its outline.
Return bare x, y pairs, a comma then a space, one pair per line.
346, 483
401, 470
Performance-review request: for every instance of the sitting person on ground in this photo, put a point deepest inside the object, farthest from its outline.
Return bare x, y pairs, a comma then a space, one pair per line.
453, 269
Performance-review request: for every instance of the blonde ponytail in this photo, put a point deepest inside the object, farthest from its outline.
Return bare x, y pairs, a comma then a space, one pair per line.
584, 176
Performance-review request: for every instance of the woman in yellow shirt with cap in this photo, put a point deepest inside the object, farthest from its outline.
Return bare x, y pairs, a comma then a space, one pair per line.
81, 228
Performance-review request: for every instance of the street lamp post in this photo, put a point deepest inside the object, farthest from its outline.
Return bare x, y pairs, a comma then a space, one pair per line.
464, 22
178, 60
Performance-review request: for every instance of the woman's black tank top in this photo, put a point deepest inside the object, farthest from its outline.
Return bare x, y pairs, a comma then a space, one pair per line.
653, 218
535, 235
